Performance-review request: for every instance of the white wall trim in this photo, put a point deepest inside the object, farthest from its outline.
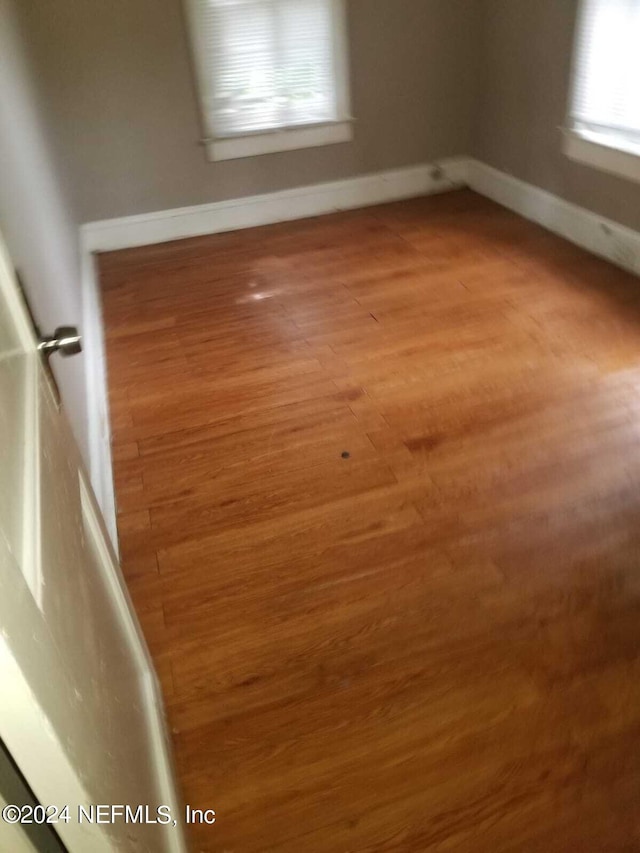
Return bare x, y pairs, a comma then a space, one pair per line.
287, 139
100, 464
603, 151
596, 234
300, 203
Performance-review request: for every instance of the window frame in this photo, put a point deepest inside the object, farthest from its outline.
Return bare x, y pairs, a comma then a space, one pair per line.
600, 149
253, 144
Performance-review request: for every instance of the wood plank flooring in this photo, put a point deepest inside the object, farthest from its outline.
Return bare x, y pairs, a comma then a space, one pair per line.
378, 481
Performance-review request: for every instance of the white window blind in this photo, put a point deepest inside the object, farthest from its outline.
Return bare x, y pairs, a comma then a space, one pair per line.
268, 65
606, 97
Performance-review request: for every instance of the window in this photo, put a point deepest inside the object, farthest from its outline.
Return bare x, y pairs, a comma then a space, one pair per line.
272, 74
604, 117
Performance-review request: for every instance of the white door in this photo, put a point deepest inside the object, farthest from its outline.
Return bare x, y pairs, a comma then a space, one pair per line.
80, 708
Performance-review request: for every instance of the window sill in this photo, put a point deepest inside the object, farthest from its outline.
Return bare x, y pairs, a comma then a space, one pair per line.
292, 139
601, 152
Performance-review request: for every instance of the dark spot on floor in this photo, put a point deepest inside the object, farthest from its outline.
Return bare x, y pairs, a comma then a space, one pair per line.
424, 442
351, 395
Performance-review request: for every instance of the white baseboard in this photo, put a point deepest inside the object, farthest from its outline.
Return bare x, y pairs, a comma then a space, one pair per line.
596, 234
300, 203
100, 464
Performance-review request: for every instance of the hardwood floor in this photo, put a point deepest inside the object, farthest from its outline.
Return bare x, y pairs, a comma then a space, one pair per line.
378, 480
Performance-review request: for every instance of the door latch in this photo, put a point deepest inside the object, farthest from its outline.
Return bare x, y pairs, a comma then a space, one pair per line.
64, 340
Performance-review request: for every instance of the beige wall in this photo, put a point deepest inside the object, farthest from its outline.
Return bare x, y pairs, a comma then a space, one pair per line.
120, 88
430, 78
524, 89
36, 217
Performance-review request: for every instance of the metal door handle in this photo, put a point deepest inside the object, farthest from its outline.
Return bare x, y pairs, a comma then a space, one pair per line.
64, 340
